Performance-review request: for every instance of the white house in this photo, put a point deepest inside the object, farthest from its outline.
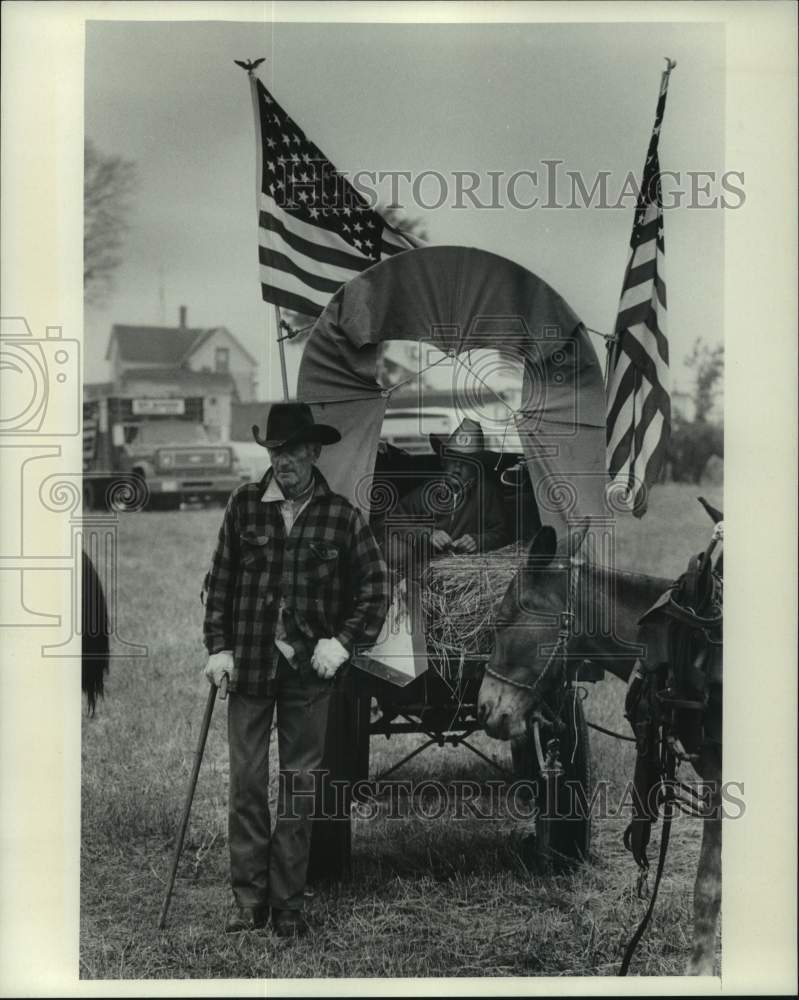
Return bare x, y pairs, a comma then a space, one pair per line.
181, 348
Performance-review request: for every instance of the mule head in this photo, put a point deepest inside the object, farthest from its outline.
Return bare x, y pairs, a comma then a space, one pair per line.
529, 621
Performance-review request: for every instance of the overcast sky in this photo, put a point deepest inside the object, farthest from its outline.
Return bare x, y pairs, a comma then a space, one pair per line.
417, 98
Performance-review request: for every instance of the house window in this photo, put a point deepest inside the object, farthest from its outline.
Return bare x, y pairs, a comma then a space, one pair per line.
222, 359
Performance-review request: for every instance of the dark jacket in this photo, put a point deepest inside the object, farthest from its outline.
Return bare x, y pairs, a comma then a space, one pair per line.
329, 570
477, 511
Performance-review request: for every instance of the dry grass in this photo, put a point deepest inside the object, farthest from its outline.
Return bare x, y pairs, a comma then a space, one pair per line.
444, 897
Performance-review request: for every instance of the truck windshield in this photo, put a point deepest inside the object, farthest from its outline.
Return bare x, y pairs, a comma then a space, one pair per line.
171, 432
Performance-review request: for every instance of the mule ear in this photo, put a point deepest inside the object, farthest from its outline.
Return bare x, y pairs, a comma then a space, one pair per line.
542, 548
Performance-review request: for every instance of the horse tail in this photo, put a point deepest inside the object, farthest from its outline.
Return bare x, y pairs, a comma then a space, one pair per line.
95, 647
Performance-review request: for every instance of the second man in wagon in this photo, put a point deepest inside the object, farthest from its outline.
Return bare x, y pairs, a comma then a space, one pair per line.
465, 503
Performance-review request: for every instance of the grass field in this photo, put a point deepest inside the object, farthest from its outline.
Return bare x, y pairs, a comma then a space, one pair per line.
428, 897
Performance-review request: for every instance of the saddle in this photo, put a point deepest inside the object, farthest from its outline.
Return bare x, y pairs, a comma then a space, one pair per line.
673, 700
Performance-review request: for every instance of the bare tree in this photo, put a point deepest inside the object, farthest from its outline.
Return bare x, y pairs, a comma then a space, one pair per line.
404, 223
108, 184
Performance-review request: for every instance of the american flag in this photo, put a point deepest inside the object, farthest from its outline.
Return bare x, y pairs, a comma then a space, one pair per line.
315, 230
638, 401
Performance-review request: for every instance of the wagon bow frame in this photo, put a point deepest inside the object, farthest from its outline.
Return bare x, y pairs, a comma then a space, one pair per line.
459, 300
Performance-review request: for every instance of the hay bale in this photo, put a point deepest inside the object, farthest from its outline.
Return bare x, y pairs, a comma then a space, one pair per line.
460, 598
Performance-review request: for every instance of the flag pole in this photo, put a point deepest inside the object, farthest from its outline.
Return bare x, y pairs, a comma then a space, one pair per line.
664, 80
282, 350
250, 67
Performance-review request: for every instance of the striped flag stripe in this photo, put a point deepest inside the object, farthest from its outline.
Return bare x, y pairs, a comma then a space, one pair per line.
625, 450
658, 452
653, 322
623, 426
623, 387
638, 404
290, 284
315, 236
622, 456
644, 362
648, 342
280, 262
638, 295
650, 315
271, 291
276, 228
649, 415
644, 274
643, 254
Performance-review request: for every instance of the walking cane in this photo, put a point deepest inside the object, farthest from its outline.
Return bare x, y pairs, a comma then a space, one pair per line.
198, 756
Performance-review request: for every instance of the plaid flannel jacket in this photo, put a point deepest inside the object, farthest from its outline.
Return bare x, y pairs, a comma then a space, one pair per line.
329, 570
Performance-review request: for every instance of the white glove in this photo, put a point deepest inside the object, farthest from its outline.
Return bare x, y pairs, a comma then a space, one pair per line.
218, 665
328, 655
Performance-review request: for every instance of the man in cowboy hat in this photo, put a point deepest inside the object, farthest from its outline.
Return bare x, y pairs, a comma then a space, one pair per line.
297, 580
466, 505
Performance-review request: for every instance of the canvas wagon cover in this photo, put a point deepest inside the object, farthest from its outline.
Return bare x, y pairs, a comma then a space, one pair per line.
460, 299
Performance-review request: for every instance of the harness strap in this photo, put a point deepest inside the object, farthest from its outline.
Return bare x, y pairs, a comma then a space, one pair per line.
559, 649
689, 617
664, 846
609, 732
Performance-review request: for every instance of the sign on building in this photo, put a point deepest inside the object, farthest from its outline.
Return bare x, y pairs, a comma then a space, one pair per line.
159, 407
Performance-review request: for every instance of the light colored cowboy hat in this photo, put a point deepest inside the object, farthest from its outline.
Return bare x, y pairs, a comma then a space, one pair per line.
293, 423
467, 440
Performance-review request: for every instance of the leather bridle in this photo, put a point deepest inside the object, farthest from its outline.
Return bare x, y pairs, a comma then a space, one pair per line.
558, 654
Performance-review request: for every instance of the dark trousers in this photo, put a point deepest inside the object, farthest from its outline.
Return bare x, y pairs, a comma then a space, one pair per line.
270, 867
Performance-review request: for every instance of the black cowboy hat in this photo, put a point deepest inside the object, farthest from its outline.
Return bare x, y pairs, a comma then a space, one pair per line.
293, 423
467, 441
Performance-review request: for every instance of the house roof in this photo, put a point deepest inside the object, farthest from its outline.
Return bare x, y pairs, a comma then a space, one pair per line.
163, 344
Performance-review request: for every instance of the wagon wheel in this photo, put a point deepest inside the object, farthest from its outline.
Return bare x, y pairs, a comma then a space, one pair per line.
568, 818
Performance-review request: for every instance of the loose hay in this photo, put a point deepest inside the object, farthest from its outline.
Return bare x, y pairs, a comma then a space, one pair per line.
460, 597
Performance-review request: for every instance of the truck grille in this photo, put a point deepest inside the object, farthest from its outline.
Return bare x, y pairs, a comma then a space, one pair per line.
204, 460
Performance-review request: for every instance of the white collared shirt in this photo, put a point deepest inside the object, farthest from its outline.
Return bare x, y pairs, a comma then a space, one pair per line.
290, 510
